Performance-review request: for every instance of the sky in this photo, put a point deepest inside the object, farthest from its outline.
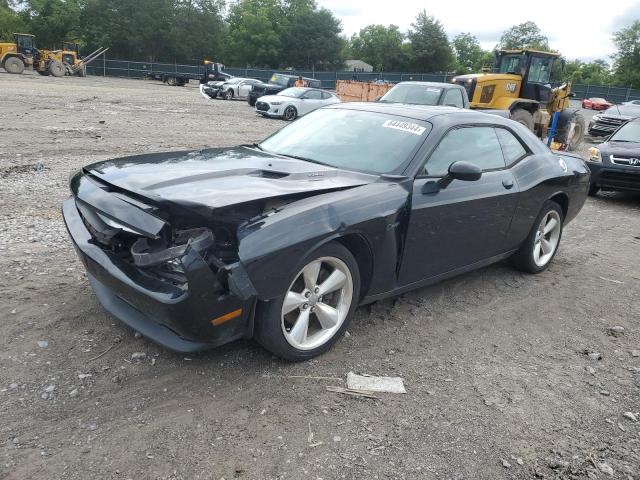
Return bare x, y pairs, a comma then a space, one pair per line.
575, 28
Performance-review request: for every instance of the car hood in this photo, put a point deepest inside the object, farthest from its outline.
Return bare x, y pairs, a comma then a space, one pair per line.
624, 149
219, 178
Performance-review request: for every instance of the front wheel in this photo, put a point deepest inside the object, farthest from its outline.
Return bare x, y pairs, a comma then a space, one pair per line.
228, 95
316, 308
252, 102
57, 69
290, 113
541, 245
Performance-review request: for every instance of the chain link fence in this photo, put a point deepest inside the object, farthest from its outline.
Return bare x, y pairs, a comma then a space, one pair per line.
129, 69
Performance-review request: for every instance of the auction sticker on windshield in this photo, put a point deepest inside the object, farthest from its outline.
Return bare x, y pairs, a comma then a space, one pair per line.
404, 126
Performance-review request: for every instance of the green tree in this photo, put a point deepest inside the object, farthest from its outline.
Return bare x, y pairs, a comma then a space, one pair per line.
524, 35
430, 48
311, 36
51, 21
596, 72
10, 22
255, 33
627, 58
379, 46
469, 54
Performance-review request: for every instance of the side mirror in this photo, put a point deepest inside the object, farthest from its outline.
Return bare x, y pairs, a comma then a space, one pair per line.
463, 171
378, 98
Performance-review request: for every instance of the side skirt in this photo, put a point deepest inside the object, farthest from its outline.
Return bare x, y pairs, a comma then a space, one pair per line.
436, 279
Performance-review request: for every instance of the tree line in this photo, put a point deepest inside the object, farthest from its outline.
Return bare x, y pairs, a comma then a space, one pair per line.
282, 34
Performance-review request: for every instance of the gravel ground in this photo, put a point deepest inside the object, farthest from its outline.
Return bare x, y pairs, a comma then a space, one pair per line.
507, 375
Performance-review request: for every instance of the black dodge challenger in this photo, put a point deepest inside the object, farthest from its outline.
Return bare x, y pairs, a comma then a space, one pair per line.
282, 240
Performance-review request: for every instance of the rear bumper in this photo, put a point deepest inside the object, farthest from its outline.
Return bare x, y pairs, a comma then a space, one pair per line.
615, 178
176, 317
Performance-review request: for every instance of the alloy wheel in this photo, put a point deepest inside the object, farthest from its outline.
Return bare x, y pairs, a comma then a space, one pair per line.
317, 303
547, 238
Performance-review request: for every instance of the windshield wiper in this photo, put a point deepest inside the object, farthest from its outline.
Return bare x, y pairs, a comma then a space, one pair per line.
257, 145
627, 141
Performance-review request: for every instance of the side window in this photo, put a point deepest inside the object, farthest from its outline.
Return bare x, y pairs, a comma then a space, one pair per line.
313, 95
326, 95
453, 97
511, 146
477, 145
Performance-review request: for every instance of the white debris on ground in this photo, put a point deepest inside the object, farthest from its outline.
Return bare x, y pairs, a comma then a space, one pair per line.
375, 384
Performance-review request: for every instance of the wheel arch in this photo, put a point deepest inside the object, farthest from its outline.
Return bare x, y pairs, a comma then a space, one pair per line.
361, 249
562, 199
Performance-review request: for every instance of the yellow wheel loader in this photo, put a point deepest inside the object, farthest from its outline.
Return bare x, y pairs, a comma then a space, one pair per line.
521, 84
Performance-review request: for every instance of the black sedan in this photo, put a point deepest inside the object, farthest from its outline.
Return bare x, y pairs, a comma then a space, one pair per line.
615, 164
282, 240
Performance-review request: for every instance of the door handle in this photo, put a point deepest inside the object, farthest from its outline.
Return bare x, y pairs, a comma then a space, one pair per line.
507, 183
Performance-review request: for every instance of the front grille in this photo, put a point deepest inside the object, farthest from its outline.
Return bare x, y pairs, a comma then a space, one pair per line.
614, 122
262, 106
626, 161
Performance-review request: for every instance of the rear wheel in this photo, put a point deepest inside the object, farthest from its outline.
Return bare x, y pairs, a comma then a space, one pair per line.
524, 117
14, 65
537, 251
316, 308
56, 69
290, 113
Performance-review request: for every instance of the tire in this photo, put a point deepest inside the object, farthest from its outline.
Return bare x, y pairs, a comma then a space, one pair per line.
14, 65
593, 190
522, 116
290, 113
44, 73
276, 330
531, 256
567, 117
56, 69
228, 95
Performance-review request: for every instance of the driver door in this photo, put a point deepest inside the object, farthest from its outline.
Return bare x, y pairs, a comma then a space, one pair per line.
311, 100
467, 221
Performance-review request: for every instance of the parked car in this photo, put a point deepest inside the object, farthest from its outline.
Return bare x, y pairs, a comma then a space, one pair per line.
603, 124
427, 93
211, 89
294, 102
596, 103
615, 164
631, 102
282, 240
237, 88
277, 83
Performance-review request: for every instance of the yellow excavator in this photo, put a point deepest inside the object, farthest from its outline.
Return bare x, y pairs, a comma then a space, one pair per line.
521, 85
16, 56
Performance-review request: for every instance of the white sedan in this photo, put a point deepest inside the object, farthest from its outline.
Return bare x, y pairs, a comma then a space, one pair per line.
294, 102
237, 88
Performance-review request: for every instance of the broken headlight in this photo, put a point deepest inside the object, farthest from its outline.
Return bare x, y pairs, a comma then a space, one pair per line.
150, 253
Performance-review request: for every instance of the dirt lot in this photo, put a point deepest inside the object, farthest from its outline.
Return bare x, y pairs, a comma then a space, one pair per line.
496, 364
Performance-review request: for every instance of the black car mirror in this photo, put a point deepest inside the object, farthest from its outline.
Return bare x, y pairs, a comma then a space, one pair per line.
378, 98
465, 171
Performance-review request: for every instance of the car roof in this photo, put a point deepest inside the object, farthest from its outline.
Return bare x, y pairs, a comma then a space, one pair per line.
423, 112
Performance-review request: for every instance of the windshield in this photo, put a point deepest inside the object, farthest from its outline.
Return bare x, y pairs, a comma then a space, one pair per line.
350, 139
630, 132
293, 92
414, 94
540, 69
279, 79
510, 64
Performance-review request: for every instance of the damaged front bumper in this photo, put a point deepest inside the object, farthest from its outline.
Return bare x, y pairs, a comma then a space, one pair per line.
189, 317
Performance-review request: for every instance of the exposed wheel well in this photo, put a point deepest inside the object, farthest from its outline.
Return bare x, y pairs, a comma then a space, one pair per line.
563, 200
360, 249
530, 107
